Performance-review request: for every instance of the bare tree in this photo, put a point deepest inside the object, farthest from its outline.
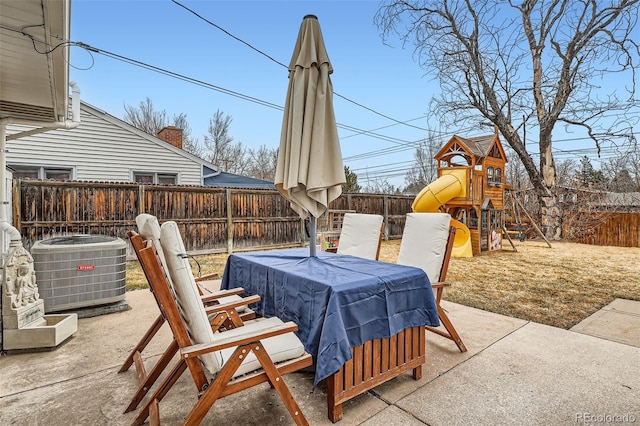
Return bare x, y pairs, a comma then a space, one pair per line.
379, 186
623, 182
189, 143
146, 118
634, 165
514, 172
262, 163
221, 150
620, 172
623, 171
425, 168
566, 172
525, 63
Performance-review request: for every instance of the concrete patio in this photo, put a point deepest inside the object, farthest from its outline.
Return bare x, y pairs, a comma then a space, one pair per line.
514, 373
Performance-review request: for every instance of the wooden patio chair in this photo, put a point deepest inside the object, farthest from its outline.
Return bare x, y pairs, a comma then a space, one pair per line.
237, 359
225, 308
149, 228
427, 241
361, 235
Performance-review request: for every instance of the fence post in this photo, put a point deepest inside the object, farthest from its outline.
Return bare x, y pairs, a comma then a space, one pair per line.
16, 205
141, 207
385, 209
229, 222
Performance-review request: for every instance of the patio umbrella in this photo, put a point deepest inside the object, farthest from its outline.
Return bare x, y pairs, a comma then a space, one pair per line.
309, 172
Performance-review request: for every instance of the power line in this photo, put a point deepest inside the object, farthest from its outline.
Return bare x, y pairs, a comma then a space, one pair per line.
383, 165
225, 91
383, 127
228, 33
180, 76
285, 66
403, 145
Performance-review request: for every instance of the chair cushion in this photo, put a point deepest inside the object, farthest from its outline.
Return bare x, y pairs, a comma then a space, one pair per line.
187, 295
149, 229
424, 242
280, 348
360, 235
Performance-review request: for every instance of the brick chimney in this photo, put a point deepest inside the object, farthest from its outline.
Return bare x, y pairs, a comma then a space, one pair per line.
172, 135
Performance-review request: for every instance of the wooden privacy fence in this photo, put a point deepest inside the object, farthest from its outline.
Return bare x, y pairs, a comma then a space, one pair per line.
212, 220
605, 228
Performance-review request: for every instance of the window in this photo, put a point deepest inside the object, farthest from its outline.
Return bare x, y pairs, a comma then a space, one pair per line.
490, 176
41, 172
143, 178
25, 172
152, 177
57, 174
167, 179
498, 177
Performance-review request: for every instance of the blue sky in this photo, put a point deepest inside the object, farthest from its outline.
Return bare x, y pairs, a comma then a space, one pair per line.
160, 33
383, 78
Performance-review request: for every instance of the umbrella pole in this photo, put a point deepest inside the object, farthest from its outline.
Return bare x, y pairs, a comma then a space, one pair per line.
312, 235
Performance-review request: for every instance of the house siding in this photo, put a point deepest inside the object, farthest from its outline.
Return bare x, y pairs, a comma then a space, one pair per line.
102, 149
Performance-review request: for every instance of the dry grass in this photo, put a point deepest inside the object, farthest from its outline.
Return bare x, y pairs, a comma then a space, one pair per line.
557, 286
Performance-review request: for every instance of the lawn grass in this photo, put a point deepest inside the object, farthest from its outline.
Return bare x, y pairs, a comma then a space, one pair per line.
558, 286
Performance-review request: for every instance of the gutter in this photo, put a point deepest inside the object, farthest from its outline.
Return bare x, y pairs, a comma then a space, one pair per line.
44, 126
41, 127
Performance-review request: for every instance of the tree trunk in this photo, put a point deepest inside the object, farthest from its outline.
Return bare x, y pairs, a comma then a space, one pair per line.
551, 217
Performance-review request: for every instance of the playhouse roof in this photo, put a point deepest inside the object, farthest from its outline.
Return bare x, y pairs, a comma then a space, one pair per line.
479, 146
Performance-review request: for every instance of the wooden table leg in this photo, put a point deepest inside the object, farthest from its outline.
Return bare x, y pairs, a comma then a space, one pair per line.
373, 363
334, 387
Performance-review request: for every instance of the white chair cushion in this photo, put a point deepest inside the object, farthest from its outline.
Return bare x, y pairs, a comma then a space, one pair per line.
149, 229
360, 235
280, 348
424, 242
187, 295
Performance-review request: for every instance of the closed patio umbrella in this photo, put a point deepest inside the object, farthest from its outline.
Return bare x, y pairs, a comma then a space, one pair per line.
309, 172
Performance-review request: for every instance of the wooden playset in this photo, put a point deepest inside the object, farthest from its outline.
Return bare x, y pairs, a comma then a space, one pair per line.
470, 187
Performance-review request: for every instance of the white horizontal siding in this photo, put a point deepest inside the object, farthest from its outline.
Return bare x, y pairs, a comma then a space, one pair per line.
101, 151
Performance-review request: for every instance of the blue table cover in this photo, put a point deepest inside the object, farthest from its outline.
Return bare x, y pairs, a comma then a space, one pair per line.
337, 301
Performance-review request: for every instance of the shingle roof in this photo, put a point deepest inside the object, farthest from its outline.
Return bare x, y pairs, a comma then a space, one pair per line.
479, 145
622, 199
230, 180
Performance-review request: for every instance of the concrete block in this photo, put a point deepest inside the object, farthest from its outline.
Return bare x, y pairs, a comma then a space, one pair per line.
48, 332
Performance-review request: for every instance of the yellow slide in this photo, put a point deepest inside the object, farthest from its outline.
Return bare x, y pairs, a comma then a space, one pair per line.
450, 185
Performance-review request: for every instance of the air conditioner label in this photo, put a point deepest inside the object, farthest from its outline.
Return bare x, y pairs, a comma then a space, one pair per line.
86, 267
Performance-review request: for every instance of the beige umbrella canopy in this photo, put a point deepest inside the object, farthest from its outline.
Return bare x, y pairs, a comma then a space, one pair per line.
309, 172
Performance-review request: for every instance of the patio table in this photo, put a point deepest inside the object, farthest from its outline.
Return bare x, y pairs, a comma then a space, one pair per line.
341, 304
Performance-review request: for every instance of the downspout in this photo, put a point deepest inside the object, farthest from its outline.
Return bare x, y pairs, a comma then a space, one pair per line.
7, 230
14, 234
43, 126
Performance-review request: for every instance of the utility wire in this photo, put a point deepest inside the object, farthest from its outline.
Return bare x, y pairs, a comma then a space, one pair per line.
201, 83
285, 66
403, 145
228, 91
